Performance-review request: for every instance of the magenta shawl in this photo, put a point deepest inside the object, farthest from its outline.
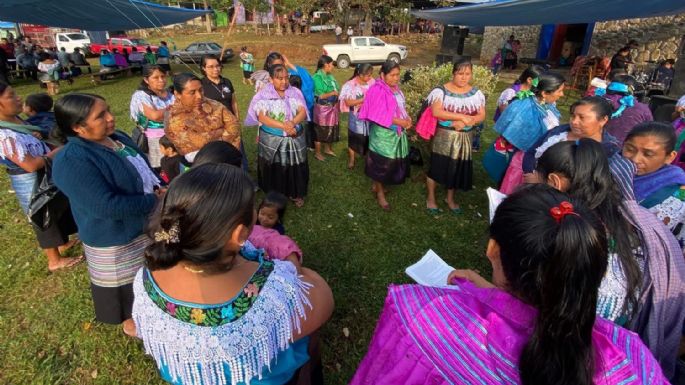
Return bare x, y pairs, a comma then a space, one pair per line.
380, 105
268, 92
468, 335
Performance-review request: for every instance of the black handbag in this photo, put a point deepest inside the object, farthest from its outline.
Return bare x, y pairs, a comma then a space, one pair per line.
415, 157
139, 138
47, 201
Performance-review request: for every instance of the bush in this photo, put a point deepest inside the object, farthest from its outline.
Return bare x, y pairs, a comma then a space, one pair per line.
425, 78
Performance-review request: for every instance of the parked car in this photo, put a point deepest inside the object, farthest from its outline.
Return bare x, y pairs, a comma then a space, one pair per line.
72, 40
365, 49
122, 42
194, 52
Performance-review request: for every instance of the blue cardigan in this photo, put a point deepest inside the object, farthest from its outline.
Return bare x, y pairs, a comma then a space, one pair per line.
105, 192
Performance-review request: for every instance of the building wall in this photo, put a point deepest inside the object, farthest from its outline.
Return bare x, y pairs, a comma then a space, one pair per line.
658, 37
494, 38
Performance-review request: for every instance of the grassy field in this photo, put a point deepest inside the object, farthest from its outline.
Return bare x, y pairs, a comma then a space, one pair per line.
49, 335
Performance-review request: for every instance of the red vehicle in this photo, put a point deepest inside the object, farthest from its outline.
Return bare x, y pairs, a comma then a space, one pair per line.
122, 42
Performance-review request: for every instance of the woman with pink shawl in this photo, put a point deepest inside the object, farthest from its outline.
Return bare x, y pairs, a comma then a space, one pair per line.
280, 110
535, 324
351, 98
384, 110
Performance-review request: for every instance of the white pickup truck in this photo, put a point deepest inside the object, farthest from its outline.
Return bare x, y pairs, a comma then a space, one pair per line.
365, 49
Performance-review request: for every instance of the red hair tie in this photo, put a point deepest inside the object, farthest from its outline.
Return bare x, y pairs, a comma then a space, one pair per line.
559, 212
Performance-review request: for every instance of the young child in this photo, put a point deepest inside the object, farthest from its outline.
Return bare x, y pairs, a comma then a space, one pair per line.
272, 210
659, 185
38, 109
172, 163
275, 244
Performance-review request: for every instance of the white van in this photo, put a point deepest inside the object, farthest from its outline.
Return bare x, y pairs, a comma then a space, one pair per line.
71, 40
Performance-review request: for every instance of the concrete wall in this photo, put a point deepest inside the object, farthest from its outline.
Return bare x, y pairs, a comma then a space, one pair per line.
658, 37
494, 38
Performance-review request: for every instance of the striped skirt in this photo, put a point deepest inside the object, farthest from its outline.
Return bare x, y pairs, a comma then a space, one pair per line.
112, 270
451, 162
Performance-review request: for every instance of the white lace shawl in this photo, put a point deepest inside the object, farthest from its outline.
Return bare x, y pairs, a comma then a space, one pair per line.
459, 104
197, 354
551, 141
15, 143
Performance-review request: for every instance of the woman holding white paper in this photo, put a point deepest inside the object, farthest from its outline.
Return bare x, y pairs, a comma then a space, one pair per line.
535, 323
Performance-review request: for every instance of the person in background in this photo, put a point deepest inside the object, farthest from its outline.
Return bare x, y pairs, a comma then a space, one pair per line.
4, 68
664, 74
627, 110
150, 56
326, 110
621, 60
112, 190
48, 73
107, 61
352, 96
38, 109
458, 107
246, 64
77, 59
63, 58
384, 108
521, 124
350, 33
659, 185
195, 120
524, 83
163, 57
27, 60
172, 163
338, 34
644, 285
7, 47
136, 57
203, 282
307, 88
24, 157
532, 323
119, 59
280, 111
148, 109
215, 86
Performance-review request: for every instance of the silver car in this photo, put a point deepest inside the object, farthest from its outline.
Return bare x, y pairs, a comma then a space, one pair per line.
194, 52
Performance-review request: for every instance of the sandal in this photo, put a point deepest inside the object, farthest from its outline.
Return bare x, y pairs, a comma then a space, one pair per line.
331, 154
62, 249
73, 261
457, 211
299, 202
433, 211
320, 157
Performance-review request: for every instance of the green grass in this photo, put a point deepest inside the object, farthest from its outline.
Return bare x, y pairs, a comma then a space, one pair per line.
49, 335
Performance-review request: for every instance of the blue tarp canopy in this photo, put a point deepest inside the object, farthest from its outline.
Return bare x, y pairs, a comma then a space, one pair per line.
96, 15
6, 25
532, 12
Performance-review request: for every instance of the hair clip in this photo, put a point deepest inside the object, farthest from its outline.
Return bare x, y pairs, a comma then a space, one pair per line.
559, 212
168, 236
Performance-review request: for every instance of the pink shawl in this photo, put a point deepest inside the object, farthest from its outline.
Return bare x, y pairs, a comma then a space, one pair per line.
277, 246
269, 92
350, 90
380, 105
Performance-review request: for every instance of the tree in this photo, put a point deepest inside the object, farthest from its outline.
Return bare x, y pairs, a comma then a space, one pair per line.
257, 7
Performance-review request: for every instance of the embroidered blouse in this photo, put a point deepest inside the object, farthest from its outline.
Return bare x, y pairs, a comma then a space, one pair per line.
13, 143
231, 342
352, 90
468, 103
141, 98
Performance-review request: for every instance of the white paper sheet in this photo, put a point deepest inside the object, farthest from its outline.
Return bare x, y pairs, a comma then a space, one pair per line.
494, 199
430, 270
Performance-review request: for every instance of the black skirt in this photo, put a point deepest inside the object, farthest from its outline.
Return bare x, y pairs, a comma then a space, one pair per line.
113, 305
358, 143
61, 226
